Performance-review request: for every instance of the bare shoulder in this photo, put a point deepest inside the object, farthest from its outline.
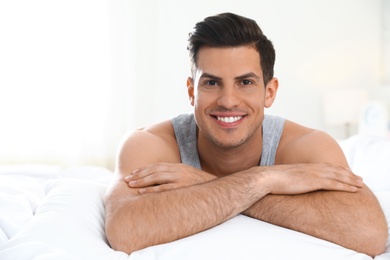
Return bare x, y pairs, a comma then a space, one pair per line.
149, 145
140, 148
301, 144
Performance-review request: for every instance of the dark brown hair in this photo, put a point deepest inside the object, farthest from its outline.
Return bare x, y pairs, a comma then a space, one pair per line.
231, 30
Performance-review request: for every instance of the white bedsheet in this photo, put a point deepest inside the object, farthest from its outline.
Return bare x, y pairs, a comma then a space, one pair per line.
51, 213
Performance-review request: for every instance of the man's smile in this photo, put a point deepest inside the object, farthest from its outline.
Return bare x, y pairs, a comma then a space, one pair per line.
229, 119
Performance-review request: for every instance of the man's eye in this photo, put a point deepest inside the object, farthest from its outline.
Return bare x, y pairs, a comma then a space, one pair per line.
211, 83
246, 82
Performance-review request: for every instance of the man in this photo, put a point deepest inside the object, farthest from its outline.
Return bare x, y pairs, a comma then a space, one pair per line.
193, 172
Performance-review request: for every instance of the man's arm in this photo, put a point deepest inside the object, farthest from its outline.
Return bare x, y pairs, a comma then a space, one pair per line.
135, 221
353, 220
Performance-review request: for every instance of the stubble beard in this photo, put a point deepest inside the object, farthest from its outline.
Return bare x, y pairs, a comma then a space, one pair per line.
232, 143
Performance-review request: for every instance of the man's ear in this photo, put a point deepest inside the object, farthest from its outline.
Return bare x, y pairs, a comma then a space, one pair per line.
190, 90
270, 92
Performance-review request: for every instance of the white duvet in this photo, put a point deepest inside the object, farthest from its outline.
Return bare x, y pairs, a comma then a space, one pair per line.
51, 213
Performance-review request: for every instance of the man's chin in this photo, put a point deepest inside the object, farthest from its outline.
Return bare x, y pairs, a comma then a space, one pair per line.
228, 144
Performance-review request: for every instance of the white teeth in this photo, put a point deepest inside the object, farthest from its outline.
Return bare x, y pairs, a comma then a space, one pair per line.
229, 119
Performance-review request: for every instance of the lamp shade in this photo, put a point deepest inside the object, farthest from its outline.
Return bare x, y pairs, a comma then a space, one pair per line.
374, 119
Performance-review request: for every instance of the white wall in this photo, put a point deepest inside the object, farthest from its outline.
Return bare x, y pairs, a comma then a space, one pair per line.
321, 45
76, 75
54, 81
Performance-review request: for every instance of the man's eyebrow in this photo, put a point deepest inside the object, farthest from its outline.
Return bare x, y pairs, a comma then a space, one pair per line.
210, 76
248, 75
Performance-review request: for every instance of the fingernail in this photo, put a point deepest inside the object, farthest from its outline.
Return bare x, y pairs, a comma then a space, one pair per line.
132, 183
141, 191
128, 178
135, 171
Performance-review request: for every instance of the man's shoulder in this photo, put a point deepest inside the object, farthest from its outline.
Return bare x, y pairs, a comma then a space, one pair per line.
165, 130
157, 136
296, 135
302, 144
162, 131
156, 142
168, 129
294, 132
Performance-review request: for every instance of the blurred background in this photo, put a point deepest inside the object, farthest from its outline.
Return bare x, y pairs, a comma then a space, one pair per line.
77, 75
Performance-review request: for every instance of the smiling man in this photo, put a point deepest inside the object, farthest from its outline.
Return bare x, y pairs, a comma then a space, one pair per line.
195, 171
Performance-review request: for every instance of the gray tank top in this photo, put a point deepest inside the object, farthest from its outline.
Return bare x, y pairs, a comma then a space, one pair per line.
185, 131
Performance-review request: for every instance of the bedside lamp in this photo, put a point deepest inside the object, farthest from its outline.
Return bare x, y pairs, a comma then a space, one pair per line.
374, 119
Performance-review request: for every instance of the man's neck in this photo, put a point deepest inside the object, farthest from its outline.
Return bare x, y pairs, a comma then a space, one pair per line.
224, 161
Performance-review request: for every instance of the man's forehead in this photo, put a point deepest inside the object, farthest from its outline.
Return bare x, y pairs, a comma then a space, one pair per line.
229, 61
214, 56
208, 50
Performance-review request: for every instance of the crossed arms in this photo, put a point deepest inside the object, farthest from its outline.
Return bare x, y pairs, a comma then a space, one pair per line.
151, 203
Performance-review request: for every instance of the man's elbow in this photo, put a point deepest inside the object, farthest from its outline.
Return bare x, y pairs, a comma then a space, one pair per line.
375, 242
115, 239
123, 234
372, 233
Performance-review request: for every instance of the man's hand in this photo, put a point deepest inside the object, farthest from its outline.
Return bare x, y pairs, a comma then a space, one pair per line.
281, 179
166, 176
302, 178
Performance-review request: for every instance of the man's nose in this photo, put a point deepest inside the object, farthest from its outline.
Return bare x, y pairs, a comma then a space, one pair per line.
229, 97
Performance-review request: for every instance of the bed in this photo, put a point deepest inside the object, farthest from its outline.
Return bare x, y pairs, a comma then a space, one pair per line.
48, 212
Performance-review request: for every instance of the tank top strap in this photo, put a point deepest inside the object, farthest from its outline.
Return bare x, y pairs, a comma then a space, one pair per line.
185, 131
272, 131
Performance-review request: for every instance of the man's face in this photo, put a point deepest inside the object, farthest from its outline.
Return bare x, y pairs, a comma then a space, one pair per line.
228, 95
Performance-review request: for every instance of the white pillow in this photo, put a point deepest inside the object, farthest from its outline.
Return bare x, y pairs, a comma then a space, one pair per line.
384, 200
246, 238
68, 225
3, 237
22, 190
16, 203
369, 157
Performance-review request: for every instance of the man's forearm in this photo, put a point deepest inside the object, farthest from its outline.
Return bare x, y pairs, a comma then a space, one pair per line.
136, 221
352, 220
150, 219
